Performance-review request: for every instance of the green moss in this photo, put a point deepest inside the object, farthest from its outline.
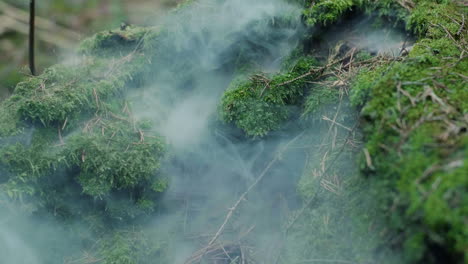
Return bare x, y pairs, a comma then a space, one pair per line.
319, 98
342, 206
326, 12
66, 92
414, 121
9, 119
112, 155
429, 13
262, 104
75, 143
130, 247
65, 136
363, 84
115, 42
26, 163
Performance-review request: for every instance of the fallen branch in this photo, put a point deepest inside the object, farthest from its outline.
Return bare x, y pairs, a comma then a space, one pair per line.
336, 123
319, 70
462, 26
368, 159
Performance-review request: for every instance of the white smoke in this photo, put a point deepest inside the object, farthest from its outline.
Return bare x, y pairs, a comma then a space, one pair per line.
212, 164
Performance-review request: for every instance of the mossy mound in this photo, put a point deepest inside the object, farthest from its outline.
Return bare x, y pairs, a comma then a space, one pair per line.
70, 134
327, 12
66, 92
415, 126
262, 104
124, 40
112, 154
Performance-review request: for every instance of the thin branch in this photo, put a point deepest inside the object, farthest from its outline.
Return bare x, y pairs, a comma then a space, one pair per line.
336, 123
462, 26
32, 16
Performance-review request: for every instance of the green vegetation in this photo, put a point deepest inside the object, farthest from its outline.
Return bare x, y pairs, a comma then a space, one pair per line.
414, 126
114, 155
320, 97
78, 139
70, 135
130, 247
326, 12
262, 104
416, 135
120, 41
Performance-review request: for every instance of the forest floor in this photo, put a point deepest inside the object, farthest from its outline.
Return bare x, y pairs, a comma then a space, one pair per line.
333, 132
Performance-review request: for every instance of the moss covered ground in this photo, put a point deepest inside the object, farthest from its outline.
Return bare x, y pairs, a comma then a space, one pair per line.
404, 191
414, 119
107, 151
262, 104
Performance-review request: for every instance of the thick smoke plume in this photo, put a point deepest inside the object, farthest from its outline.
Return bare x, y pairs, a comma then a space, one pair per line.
212, 165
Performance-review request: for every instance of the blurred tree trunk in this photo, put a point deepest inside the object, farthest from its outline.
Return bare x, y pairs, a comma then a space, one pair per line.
32, 27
